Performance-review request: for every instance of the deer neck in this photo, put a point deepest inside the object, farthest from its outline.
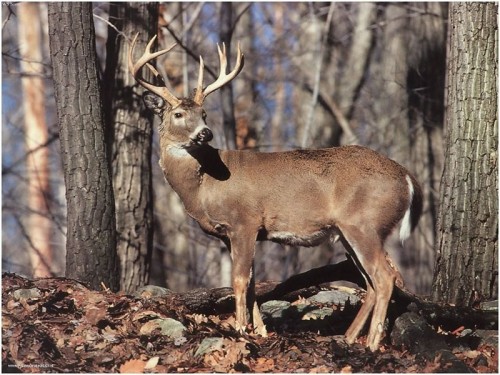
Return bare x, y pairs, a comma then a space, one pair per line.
190, 171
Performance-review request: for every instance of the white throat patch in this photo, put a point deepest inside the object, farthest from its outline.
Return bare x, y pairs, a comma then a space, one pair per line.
175, 151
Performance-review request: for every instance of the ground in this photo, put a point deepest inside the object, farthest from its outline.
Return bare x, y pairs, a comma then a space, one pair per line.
58, 325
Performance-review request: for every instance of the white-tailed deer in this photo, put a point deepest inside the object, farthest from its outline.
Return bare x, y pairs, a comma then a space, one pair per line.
300, 197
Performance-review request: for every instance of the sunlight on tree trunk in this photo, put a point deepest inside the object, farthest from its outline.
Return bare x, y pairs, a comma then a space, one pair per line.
36, 136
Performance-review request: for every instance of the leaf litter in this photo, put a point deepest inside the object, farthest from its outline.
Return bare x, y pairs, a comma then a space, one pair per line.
61, 326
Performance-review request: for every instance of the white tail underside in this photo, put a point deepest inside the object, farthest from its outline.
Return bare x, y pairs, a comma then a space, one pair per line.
405, 230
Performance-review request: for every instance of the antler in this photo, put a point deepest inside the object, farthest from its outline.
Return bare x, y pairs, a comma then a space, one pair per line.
162, 92
223, 78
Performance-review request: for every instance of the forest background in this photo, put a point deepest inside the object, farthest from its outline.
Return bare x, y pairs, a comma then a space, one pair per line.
316, 75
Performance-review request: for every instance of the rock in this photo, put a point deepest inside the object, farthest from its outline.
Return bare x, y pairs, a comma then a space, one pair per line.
317, 314
168, 327
20, 294
149, 291
489, 305
334, 297
209, 345
275, 309
487, 336
412, 332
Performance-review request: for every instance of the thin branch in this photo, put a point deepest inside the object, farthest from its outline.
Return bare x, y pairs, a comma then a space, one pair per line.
33, 247
9, 169
113, 27
351, 137
194, 17
11, 12
188, 50
317, 78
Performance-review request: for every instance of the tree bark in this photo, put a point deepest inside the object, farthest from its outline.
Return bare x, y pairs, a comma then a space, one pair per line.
36, 138
91, 234
130, 130
228, 119
225, 35
467, 246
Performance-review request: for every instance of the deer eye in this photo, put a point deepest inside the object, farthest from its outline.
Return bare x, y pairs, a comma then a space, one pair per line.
204, 115
178, 115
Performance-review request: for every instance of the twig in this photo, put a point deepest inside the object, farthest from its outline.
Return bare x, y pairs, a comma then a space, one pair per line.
317, 79
113, 26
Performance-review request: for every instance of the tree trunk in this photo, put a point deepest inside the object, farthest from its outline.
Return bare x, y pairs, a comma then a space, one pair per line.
225, 34
130, 130
36, 138
228, 119
91, 234
467, 246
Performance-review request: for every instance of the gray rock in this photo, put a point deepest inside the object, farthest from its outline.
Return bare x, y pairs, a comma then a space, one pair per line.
26, 294
168, 327
489, 305
152, 291
334, 297
318, 314
487, 336
275, 309
208, 345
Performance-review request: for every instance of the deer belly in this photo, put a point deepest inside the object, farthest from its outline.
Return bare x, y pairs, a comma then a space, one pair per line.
307, 239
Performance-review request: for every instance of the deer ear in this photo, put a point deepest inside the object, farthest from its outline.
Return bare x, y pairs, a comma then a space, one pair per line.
153, 102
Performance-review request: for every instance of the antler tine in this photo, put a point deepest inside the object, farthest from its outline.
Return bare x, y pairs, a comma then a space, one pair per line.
223, 76
198, 95
148, 56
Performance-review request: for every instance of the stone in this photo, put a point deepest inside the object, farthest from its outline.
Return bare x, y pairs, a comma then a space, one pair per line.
20, 294
208, 345
334, 297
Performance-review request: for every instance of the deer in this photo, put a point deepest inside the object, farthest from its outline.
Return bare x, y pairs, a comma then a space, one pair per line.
299, 197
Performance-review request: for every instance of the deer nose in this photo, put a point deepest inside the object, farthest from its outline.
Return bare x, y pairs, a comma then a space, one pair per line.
204, 135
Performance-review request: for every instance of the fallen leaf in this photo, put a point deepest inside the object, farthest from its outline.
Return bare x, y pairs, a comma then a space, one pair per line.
320, 370
264, 365
346, 370
198, 318
95, 314
133, 366
471, 354
151, 363
145, 314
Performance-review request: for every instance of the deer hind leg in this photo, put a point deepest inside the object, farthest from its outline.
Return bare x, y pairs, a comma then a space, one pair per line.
370, 257
358, 323
258, 324
383, 278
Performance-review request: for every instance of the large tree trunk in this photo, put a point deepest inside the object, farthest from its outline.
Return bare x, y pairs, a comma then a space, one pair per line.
91, 235
130, 130
36, 138
467, 244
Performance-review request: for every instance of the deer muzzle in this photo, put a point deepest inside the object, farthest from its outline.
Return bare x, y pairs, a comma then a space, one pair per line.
203, 135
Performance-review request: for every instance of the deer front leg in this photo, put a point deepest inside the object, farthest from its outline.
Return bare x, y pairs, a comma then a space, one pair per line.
242, 253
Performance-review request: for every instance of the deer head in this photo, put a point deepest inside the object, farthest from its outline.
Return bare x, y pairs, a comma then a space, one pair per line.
183, 119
